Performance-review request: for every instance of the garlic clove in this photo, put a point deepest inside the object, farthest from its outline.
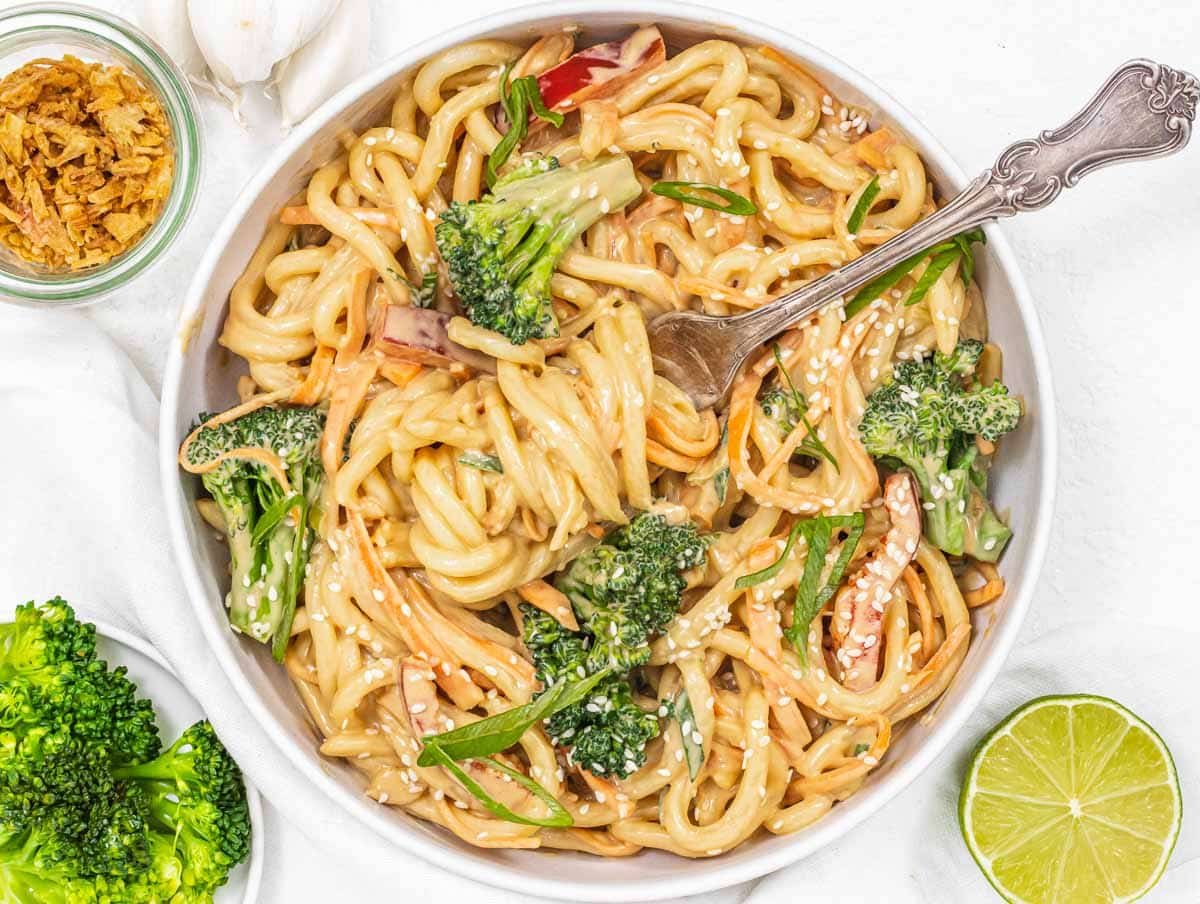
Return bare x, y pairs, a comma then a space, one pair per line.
242, 40
330, 61
166, 21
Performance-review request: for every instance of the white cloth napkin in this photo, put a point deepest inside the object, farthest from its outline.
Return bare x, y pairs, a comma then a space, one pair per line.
81, 516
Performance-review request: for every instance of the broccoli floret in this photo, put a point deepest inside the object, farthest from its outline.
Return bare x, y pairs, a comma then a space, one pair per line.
269, 527
80, 821
624, 591
38, 867
607, 734
627, 588
194, 791
64, 717
925, 419
502, 250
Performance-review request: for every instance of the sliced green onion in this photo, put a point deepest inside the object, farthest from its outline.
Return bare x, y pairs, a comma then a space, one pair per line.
692, 751
425, 294
559, 817
765, 574
482, 461
933, 271
517, 99
811, 592
501, 731
721, 484
684, 192
270, 519
863, 207
812, 444
960, 245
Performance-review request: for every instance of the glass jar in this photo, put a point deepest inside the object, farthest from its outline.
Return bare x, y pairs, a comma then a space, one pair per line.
54, 30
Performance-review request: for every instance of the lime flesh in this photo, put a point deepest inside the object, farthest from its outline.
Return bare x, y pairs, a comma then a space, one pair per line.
1070, 800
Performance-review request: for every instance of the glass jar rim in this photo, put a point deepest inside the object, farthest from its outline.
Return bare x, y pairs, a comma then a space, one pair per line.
66, 24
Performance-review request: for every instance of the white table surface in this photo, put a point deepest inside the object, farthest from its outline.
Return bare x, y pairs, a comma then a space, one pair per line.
1112, 267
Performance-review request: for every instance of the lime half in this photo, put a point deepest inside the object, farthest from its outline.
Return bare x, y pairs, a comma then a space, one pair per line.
1071, 799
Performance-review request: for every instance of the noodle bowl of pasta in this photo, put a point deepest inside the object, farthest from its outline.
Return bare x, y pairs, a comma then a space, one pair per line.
507, 595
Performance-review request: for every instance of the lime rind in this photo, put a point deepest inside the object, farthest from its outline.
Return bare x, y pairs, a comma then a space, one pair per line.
970, 788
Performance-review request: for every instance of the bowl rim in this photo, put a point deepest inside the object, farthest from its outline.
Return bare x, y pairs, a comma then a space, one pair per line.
686, 882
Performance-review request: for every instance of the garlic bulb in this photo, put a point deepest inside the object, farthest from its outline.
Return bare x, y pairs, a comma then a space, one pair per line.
330, 61
167, 22
243, 39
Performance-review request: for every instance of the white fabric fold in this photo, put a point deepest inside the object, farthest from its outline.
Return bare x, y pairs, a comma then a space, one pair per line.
82, 517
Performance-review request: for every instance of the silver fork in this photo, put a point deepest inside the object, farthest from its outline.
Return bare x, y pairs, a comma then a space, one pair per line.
1143, 110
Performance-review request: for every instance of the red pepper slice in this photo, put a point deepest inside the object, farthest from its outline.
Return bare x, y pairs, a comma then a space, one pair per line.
601, 70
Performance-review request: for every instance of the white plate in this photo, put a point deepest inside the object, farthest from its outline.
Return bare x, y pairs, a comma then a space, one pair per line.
176, 709
200, 376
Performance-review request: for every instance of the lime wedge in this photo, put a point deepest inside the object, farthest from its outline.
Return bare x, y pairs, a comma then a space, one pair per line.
1071, 799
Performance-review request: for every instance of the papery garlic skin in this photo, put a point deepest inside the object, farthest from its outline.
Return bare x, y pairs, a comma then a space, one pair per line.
242, 40
167, 22
327, 63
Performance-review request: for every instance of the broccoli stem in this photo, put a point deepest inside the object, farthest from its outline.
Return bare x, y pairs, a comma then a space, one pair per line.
945, 523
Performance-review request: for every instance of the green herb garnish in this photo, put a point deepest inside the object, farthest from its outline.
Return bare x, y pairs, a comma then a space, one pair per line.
811, 445
558, 819
425, 294
721, 484
519, 99
943, 254
684, 192
693, 751
865, 200
481, 461
860, 749
811, 592
501, 731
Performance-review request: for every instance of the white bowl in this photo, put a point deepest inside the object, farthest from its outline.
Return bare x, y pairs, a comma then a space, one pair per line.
201, 376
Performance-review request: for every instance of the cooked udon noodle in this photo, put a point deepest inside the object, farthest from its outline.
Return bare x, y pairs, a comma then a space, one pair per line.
424, 558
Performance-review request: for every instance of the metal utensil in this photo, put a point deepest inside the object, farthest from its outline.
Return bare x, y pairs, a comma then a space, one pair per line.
1143, 110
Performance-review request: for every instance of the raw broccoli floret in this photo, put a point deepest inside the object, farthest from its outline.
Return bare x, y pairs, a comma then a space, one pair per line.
38, 866
65, 718
269, 526
624, 591
502, 250
194, 792
926, 420
89, 810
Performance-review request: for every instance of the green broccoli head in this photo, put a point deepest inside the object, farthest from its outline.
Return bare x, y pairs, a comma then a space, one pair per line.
624, 591
628, 588
607, 733
39, 867
269, 527
40, 640
64, 716
195, 791
502, 250
558, 653
925, 419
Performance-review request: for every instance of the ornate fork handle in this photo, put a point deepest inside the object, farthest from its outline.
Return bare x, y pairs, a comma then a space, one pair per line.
1143, 110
